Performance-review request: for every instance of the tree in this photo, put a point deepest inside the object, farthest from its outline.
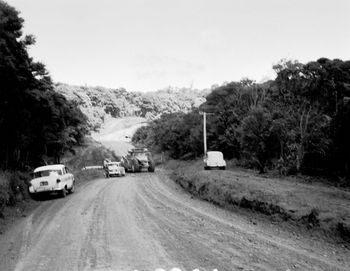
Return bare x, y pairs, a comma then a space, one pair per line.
37, 121
256, 137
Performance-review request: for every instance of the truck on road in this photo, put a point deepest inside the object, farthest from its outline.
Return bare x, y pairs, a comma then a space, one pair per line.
137, 160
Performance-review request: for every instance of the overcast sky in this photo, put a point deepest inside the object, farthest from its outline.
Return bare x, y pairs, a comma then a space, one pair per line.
150, 44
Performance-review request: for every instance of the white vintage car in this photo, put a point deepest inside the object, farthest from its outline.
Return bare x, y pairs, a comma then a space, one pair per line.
52, 179
214, 159
114, 169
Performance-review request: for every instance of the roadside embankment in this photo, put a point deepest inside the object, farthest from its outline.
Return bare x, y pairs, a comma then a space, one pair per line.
312, 205
14, 198
91, 153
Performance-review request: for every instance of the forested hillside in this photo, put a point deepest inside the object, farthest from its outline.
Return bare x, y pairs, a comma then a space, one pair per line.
298, 122
97, 103
38, 125
35, 121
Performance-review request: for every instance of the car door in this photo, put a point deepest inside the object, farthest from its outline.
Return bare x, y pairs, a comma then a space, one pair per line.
64, 176
69, 177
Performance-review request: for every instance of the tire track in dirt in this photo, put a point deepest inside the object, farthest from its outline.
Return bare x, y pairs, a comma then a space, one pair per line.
144, 222
268, 253
57, 232
133, 248
95, 253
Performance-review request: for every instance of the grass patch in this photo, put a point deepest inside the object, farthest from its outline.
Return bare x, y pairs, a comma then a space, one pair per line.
315, 206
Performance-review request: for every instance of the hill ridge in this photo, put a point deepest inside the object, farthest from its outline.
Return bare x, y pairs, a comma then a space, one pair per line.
99, 103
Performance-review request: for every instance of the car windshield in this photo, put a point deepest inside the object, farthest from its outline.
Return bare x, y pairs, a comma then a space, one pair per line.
141, 155
215, 155
110, 166
47, 172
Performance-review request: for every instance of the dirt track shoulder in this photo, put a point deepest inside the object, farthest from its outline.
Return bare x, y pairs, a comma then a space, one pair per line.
146, 221
315, 207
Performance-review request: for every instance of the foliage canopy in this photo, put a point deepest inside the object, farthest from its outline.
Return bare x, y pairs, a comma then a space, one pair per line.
298, 122
36, 122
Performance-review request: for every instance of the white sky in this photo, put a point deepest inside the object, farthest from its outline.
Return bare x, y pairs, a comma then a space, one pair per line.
150, 44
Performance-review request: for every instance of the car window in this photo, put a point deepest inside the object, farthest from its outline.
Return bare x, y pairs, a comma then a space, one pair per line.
215, 155
66, 169
47, 172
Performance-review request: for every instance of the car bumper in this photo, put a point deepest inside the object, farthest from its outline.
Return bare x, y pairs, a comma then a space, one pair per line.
32, 190
111, 174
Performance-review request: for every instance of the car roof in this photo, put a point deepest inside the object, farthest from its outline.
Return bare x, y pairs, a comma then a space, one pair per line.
214, 152
113, 163
49, 167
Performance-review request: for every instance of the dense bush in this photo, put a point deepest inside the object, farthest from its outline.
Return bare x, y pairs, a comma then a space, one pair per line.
13, 188
298, 122
36, 123
179, 134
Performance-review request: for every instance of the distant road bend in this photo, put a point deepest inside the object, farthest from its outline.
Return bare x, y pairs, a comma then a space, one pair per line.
146, 222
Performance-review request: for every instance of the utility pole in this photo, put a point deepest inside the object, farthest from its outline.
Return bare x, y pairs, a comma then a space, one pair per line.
205, 132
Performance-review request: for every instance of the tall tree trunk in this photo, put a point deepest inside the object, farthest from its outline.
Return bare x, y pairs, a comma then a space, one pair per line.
303, 125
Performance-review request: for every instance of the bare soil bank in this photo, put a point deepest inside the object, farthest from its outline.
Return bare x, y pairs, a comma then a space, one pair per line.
316, 206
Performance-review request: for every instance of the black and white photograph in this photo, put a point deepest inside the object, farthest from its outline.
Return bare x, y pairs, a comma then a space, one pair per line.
175, 135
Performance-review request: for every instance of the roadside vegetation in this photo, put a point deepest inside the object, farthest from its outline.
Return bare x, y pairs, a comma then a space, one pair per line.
297, 123
37, 124
318, 207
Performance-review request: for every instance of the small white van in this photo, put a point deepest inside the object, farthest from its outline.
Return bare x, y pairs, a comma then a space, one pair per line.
214, 159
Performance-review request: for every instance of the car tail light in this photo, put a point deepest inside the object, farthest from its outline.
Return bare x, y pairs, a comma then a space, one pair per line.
58, 180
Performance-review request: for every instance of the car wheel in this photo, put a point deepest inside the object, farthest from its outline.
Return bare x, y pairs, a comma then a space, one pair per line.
63, 192
72, 189
151, 168
137, 167
34, 196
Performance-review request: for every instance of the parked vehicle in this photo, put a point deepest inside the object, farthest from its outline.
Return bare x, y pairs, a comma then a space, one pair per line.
138, 159
51, 179
114, 169
214, 159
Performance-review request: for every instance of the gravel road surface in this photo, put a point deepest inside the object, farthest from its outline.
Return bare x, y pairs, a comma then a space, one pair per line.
143, 222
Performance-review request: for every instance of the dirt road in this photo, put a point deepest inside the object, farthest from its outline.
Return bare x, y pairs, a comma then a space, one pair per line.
144, 222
